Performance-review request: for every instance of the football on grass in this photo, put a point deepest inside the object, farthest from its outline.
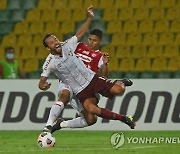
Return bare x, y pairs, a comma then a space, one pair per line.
46, 140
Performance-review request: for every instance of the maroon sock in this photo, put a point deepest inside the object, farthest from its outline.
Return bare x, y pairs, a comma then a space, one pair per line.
110, 115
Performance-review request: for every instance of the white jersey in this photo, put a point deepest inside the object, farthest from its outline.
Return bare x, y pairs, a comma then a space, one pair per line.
68, 68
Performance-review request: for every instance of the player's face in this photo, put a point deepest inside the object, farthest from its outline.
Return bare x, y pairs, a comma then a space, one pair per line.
54, 44
93, 42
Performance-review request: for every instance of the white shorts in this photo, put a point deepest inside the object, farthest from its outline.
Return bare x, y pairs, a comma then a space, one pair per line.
74, 102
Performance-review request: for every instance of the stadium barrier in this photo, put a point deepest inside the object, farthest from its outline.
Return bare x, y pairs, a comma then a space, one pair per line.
154, 103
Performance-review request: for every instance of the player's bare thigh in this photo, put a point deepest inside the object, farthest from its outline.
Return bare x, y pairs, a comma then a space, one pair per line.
118, 88
90, 105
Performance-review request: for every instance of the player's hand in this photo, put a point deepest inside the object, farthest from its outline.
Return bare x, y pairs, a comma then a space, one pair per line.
90, 11
105, 58
46, 86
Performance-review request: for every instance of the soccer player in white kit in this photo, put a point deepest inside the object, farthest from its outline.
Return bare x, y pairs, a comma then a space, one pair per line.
63, 62
95, 60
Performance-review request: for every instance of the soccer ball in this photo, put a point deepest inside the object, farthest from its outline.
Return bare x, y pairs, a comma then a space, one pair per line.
46, 140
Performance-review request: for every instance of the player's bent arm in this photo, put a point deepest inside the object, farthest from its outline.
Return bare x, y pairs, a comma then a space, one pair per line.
82, 30
105, 71
43, 84
104, 65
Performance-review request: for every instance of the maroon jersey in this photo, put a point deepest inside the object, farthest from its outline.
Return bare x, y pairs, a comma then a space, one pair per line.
91, 58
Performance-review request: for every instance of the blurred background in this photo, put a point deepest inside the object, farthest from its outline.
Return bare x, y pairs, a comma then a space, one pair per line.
142, 37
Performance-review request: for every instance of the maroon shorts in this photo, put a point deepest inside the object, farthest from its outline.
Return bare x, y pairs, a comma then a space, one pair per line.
97, 85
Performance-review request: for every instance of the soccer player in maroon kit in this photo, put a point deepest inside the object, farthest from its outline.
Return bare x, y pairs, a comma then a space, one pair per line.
95, 60
90, 54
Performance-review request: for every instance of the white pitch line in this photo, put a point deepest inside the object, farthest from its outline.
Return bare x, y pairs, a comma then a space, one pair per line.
64, 149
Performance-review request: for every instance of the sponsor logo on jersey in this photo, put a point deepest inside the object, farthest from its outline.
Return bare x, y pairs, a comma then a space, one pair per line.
47, 63
84, 57
93, 55
70, 53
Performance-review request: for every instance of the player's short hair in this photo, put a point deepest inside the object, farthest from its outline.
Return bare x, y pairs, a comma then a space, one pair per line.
9, 49
97, 32
44, 39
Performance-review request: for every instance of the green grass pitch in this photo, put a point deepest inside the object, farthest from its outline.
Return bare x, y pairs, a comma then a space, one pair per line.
86, 142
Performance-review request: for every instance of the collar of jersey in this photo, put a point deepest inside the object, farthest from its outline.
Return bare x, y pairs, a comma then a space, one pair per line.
57, 56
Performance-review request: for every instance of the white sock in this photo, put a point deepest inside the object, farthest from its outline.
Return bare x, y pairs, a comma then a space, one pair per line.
54, 112
79, 122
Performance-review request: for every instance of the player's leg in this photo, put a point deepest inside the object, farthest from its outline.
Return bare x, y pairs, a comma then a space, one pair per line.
119, 86
85, 120
127, 82
65, 94
88, 117
106, 87
91, 106
80, 122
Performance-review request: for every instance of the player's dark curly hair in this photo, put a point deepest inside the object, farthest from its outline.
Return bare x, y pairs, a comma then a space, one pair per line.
97, 32
44, 39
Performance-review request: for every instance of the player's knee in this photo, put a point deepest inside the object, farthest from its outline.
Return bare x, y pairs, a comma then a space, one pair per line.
64, 96
118, 89
121, 89
92, 120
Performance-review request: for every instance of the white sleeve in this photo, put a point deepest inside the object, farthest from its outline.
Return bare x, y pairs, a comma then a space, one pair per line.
47, 69
100, 64
72, 42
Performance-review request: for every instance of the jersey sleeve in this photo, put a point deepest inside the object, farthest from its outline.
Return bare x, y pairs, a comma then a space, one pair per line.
73, 42
47, 68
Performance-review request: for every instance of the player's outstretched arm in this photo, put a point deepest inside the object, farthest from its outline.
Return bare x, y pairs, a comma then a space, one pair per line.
43, 84
82, 30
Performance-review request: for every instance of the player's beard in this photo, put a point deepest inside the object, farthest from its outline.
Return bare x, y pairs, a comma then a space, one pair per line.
57, 50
